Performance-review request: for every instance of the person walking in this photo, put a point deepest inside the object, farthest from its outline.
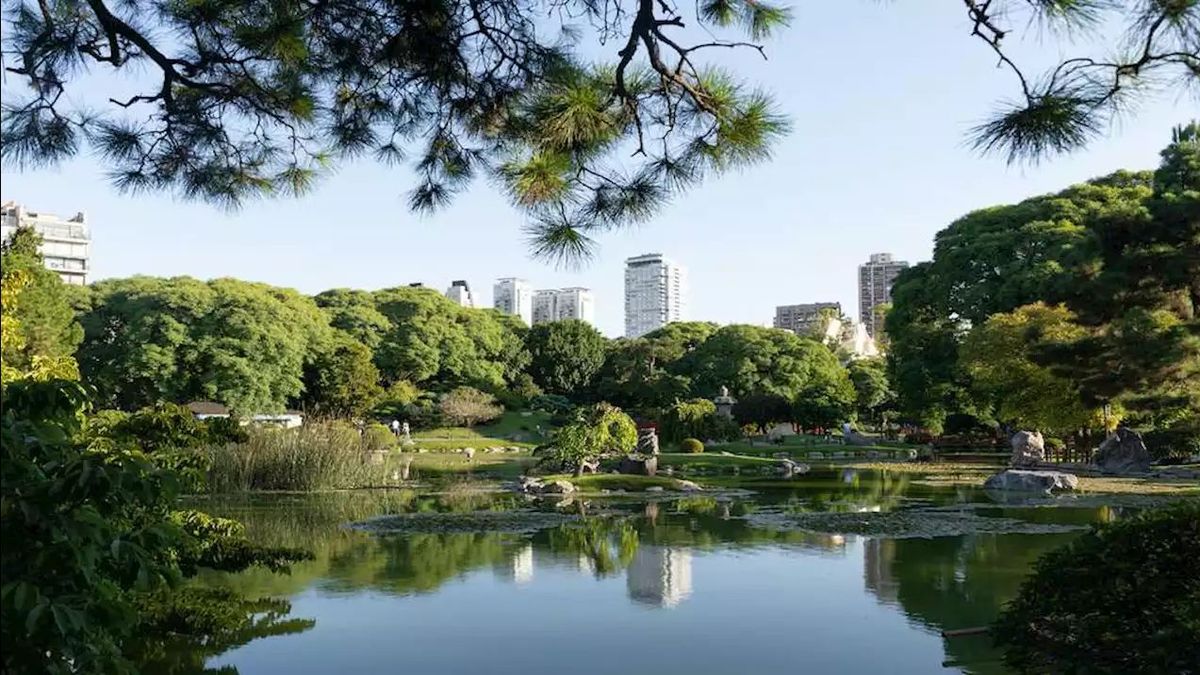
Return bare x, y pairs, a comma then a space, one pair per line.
396, 428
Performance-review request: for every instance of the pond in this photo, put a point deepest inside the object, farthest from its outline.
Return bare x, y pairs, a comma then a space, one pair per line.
468, 582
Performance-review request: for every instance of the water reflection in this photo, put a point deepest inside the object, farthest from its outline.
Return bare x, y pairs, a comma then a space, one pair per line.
696, 556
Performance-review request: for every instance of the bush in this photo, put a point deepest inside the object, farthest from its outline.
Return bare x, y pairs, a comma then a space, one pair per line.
551, 403
467, 407
377, 437
1174, 443
918, 438
1054, 444
1123, 598
691, 445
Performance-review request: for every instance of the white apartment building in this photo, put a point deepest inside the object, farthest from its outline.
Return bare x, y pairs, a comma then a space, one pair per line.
460, 293
805, 319
514, 296
557, 304
66, 243
655, 288
875, 279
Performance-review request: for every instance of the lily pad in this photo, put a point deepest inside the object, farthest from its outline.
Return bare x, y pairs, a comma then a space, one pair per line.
904, 524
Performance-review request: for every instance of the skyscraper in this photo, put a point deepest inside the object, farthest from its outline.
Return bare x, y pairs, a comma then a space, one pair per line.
804, 319
460, 293
514, 296
66, 243
654, 293
875, 279
556, 304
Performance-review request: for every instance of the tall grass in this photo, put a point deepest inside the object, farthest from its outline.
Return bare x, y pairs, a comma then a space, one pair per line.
317, 456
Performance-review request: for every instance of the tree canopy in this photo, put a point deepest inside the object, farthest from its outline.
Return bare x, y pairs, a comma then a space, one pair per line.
1118, 254
231, 100
565, 355
43, 324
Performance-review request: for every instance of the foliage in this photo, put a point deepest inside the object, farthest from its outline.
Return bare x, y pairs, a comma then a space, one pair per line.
691, 445
1132, 605
88, 527
467, 407
755, 360
823, 404
998, 357
342, 381
550, 403
316, 456
1117, 253
44, 325
1178, 441
149, 340
761, 411
594, 431
262, 99
873, 394
565, 356
646, 373
694, 418
376, 437
520, 393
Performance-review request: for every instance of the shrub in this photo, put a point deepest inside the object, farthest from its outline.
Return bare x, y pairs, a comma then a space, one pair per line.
551, 403
1123, 598
691, 445
1175, 443
918, 438
1055, 444
220, 430
467, 407
594, 431
377, 437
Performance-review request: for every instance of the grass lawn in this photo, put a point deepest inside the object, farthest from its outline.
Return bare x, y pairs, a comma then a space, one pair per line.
797, 450
518, 429
595, 482
710, 460
444, 464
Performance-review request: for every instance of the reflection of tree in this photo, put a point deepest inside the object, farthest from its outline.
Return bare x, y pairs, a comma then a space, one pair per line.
215, 622
605, 545
947, 583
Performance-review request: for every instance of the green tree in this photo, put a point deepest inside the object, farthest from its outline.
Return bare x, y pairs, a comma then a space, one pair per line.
998, 355
91, 531
823, 403
873, 392
44, 322
565, 356
593, 431
464, 406
645, 373
248, 99
149, 340
761, 411
353, 312
755, 360
693, 418
342, 381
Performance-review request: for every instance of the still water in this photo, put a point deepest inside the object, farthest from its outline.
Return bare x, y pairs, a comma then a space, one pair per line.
696, 585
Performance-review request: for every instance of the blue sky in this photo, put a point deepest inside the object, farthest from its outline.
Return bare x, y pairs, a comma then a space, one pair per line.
880, 96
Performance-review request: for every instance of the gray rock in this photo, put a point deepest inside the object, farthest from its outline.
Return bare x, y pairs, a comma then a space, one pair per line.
638, 466
1028, 448
1123, 452
789, 469
647, 443
855, 438
1032, 481
816, 455
689, 486
654, 488
558, 487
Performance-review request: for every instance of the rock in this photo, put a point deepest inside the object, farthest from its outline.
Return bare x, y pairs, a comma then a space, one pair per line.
909, 454
781, 455
558, 487
589, 467
647, 443
1123, 452
529, 484
726, 453
638, 466
816, 455
1028, 448
872, 454
1032, 481
688, 486
654, 488
469, 453
789, 469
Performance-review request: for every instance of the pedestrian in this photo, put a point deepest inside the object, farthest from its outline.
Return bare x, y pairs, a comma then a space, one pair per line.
396, 428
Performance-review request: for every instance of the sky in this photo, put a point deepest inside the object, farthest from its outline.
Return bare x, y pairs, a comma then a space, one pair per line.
880, 95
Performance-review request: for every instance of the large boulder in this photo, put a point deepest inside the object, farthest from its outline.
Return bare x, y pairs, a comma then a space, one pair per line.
638, 466
789, 469
647, 442
1029, 448
1032, 481
1123, 452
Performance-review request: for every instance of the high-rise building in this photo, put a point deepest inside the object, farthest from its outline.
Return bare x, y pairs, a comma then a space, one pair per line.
654, 293
460, 293
875, 279
514, 296
659, 575
556, 304
805, 319
66, 243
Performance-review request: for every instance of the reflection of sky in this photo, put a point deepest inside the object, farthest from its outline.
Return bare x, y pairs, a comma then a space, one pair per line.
750, 610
